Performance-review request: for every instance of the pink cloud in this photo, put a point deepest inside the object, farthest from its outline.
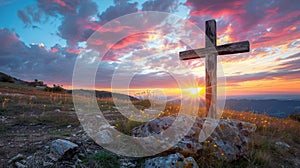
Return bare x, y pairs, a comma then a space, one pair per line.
74, 51
130, 40
54, 50
60, 2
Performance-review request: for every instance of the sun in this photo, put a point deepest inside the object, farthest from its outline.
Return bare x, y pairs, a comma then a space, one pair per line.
194, 91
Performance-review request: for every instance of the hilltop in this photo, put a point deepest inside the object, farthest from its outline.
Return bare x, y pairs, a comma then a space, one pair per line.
32, 118
12, 85
7, 78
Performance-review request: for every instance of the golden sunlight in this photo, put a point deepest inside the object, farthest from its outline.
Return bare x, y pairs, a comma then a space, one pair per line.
195, 91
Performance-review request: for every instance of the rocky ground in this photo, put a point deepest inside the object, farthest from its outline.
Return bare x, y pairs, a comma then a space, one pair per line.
39, 145
42, 130
36, 149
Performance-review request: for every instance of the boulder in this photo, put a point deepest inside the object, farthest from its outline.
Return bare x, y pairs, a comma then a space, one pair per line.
173, 160
62, 149
228, 141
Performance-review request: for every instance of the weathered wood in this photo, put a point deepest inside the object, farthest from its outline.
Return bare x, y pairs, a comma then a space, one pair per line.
211, 69
210, 33
232, 48
210, 53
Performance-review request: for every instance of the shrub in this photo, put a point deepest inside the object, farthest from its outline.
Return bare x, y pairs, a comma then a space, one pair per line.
295, 117
103, 159
55, 88
8, 79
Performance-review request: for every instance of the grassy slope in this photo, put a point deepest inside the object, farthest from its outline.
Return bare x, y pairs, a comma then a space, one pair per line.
37, 108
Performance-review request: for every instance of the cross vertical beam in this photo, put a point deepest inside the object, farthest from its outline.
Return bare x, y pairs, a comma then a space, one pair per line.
210, 53
211, 69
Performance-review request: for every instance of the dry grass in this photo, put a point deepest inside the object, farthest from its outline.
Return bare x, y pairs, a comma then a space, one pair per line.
263, 151
37, 107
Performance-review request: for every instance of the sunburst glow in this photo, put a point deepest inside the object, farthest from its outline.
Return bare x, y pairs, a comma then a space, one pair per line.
194, 91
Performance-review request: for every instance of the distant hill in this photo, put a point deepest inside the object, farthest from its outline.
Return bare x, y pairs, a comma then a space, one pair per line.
7, 78
100, 94
106, 94
276, 107
271, 107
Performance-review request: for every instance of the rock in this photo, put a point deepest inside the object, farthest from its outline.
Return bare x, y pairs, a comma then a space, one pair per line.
227, 142
16, 158
23, 162
47, 164
62, 149
19, 165
173, 160
104, 137
126, 163
57, 110
282, 144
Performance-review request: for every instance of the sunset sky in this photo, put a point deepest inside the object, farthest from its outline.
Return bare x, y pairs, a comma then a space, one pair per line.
42, 40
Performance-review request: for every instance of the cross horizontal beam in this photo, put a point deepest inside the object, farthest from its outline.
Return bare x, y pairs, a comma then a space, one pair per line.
231, 48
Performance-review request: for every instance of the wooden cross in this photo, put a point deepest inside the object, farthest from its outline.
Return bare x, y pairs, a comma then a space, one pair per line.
210, 53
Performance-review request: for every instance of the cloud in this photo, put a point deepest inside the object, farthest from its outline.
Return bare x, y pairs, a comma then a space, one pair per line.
9, 41
35, 61
30, 14
120, 8
297, 55
264, 23
75, 16
281, 74
77, 25
6, 2
162, 6
87, 8
72, 29
290, 65
24, 17
56, 7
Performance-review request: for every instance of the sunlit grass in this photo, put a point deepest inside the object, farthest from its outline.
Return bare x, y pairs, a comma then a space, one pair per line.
32, 106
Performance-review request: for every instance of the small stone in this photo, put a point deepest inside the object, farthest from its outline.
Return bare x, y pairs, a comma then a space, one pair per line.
69, 126
126, 163
57, 110
47, 164
173, 160
104, 137
62, 149
282, 144
38, 143
18, 157
20, 165
23, 162
81, 155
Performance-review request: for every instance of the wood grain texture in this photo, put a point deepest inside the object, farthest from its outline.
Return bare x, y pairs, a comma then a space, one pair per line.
211, 69
210, 53
232, 48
